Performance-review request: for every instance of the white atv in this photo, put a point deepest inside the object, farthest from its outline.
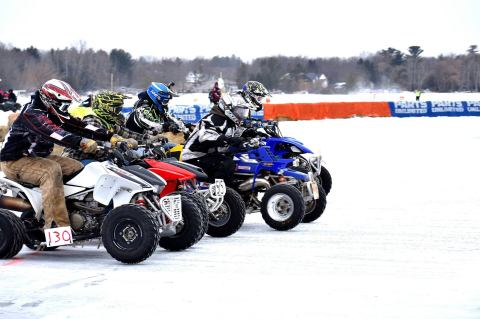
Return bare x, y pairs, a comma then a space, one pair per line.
103, 201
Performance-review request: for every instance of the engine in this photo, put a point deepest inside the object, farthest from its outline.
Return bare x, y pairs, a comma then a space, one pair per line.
84, 215
82, 222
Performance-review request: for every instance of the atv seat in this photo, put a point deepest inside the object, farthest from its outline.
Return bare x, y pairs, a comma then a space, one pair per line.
27, 185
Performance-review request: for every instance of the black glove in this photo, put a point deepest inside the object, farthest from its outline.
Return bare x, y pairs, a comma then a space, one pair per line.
249, 132
233, 140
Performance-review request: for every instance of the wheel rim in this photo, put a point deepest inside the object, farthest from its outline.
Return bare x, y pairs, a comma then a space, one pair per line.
280, 207
127, 234
221, 215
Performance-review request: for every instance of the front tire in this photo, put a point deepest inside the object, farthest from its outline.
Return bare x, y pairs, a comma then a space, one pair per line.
229, 217
189, 231
202, 204
12, 234
315, 208
130, 233
283, 207
326, 180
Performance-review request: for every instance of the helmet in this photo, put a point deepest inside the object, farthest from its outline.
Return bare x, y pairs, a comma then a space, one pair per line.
58, 95
160, 94
254, 92
109, 102
107, 105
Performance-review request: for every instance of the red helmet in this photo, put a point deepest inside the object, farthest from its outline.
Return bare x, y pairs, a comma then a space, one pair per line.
58, 95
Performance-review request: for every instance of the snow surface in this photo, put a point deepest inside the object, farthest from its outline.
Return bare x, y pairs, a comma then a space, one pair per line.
400, 238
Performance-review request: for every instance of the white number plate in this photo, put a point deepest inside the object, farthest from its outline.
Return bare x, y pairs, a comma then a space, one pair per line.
59, 236
316, 194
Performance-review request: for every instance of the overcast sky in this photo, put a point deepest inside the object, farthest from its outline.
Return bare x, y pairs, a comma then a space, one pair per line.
246, 28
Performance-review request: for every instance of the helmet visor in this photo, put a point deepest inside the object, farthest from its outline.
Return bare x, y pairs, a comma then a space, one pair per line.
258, 98
63, 106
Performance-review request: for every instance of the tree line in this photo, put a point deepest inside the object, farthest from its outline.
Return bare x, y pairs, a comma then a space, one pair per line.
87, 69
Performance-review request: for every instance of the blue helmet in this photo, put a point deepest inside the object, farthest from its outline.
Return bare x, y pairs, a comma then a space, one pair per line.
160, 94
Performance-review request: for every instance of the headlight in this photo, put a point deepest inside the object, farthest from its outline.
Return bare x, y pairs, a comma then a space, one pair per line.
296, 162
295, 149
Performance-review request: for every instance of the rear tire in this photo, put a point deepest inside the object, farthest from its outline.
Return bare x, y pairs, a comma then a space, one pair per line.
190, 231
229, 217
283, 207
34, 238
130, 233
12, 234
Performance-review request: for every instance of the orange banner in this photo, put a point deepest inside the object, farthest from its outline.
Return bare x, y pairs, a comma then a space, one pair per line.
324, 110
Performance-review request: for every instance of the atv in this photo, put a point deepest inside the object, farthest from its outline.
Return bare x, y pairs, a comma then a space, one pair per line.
269, 184
103, 201
304, 159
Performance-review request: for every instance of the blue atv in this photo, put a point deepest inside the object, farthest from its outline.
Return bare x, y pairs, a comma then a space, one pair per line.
303, 158
269, 184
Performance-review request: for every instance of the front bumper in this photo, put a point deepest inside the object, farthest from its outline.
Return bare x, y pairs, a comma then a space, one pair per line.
214, 194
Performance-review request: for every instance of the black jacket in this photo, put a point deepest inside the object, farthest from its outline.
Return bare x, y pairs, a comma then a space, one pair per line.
210, 135
12, 97
36, 130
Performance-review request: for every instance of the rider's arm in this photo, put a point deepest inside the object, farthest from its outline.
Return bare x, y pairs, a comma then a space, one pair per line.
97, 133
38, 123
210, 132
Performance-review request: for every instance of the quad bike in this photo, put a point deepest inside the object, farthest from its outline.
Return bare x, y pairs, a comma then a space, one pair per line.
190, 229
304, 159
177, 182
103, 201
225, 208
10, 106
289, 147
269, 184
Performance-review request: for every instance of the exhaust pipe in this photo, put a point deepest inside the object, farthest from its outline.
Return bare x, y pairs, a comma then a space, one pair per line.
15, 203
259, 182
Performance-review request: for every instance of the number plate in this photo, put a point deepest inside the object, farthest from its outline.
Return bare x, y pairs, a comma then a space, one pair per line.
316, 195
59, 236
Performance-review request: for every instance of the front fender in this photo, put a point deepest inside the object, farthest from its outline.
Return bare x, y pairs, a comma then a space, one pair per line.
286, 142
120, 190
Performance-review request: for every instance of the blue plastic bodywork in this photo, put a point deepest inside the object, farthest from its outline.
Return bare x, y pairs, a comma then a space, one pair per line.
258, 160
282, 145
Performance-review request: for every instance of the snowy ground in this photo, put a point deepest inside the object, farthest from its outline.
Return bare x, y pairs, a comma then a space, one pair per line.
400, 239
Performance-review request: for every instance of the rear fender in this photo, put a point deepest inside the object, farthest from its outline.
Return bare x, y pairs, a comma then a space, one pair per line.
34, 195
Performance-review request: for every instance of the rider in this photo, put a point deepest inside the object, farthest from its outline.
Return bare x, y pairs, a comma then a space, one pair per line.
150, 112
26, 152
104, 110
207, 146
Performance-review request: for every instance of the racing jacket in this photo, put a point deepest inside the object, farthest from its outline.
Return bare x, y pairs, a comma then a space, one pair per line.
36, 130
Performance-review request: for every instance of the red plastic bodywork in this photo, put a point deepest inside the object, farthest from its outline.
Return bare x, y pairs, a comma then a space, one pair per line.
173, 175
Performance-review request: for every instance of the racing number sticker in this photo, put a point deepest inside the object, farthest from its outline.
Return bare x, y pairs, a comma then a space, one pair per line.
58, 236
